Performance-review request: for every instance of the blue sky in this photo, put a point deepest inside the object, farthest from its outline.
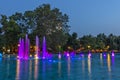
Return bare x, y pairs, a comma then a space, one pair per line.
86, 16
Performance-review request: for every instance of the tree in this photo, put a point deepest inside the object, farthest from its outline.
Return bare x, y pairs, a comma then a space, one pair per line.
52, 24
11, 32
73, 42
43, 21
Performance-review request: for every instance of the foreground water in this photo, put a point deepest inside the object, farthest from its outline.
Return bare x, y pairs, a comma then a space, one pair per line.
79, 67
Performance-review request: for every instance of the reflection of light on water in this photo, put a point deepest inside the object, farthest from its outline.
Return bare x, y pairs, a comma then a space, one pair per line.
30, 69
109, 65
113, 60
8, 67
68, 64
89, 64
18, 70
89, 67
83, 64
101, 59
59, 69
108, 62
43, 71
36, 69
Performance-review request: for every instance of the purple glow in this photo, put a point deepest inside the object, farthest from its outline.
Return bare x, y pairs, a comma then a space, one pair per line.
26, 56
104, 55
44, 48
23, 48
37, 49
19, 48
72, 53
59, 56
68, 54
113, 54
89, 54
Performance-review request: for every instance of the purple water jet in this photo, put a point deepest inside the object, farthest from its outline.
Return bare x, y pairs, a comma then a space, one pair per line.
37, 49
23, 48
26, 55
44, 52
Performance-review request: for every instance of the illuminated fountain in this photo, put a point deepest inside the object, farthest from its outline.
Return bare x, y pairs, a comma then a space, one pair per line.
23, 48
37, 49
27, 44
44, 51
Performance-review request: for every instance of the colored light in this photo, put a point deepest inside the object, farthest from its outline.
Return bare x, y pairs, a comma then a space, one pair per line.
113, 54
68, 54
59, 56
44, 48
37, 47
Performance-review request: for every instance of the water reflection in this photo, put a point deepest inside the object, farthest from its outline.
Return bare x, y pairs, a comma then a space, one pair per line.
113, 60
109, 62
59, 67
30, 69
101, 59
68, 65
36, 69
8, 68
109, 66
43, 71
89, 66
83, 64
18, 70
22, 68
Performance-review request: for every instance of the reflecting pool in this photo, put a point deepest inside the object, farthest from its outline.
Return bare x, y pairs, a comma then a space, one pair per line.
78, 67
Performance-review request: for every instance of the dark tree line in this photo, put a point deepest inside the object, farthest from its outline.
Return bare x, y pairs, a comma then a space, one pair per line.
101, 41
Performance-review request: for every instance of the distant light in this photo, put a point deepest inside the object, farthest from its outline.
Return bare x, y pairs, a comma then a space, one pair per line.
8, 50
89, 54
36, 57
18, 45
30, 55
59, 56
68, 54
113, 54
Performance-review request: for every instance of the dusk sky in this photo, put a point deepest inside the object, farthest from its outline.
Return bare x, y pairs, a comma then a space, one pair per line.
86, 16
